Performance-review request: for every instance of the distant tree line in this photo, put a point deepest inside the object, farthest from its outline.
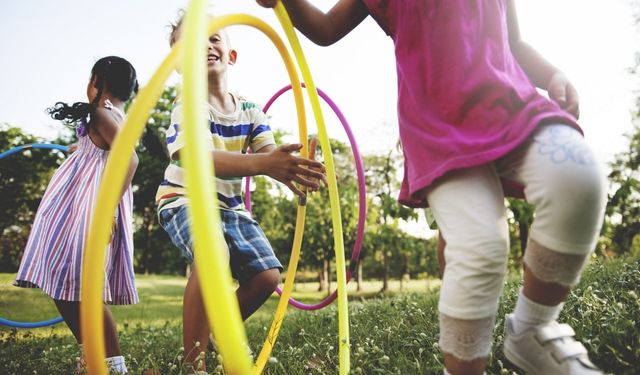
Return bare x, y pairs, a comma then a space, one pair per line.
387, 251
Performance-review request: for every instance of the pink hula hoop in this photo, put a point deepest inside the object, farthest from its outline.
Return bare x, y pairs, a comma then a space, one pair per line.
362, 198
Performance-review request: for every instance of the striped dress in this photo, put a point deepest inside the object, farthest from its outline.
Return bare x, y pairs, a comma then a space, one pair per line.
53, 256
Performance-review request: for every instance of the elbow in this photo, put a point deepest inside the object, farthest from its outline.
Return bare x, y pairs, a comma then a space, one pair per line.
323, 36
324, 41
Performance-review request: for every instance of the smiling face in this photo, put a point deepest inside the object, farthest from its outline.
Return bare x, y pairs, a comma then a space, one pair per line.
219, 54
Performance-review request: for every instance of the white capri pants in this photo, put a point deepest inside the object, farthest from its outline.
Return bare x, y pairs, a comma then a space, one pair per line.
563, 182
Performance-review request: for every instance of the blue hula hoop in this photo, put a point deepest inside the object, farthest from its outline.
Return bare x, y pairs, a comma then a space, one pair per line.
44, 323
50, 146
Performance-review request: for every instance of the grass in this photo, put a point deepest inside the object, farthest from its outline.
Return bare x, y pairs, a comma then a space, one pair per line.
392, 333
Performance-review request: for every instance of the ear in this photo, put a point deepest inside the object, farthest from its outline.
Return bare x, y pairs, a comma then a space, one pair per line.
94, 80
233, 55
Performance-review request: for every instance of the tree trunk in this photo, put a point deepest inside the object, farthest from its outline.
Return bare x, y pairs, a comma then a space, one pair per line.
359, 276
322, 281
385, 272
325, 280
404, 270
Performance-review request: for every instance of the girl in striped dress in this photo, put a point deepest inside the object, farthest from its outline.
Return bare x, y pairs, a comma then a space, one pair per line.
52, 259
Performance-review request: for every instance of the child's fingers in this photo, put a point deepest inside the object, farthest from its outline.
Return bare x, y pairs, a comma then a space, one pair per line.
313, 145
309, 172
294, 189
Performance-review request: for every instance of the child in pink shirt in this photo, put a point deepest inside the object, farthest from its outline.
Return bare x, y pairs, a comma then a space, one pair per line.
471, 118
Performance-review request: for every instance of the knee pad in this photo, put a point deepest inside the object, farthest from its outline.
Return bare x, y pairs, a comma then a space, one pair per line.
466, 339
568, 189
554, 267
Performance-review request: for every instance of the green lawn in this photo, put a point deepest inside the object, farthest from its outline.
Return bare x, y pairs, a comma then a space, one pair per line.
394, 333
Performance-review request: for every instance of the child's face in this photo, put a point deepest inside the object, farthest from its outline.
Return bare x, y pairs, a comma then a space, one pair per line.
219, 54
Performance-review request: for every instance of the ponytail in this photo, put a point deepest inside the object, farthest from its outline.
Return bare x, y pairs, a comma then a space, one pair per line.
77, 115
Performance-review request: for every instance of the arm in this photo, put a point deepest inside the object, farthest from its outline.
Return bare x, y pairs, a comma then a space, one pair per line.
107, 127
323, 28
541, 72
275, 162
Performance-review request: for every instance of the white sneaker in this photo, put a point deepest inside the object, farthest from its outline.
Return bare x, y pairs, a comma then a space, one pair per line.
547, 349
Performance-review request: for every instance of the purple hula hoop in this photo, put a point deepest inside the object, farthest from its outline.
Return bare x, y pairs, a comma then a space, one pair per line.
362, 198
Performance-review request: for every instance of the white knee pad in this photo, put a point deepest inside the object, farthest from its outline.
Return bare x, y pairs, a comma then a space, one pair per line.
466, 339
568, 189
554, 267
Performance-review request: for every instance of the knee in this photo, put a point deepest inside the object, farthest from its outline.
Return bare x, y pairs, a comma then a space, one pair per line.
580, 190
485, 253
267, 281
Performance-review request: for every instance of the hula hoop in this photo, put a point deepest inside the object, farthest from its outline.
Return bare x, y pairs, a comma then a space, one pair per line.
362, 198
43, 323
336, 220
227, 326
11, 151
50, 146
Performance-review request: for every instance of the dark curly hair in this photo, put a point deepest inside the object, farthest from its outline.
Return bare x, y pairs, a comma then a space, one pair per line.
112, 72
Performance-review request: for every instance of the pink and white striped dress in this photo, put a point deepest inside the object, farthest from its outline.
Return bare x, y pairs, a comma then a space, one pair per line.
52, 259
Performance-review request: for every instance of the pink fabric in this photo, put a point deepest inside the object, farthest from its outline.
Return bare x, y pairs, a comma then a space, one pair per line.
463, 100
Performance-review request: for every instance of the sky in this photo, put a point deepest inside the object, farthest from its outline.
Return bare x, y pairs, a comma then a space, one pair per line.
48, 49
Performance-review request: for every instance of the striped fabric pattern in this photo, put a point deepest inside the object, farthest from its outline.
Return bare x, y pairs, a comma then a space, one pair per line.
247, 126
53, 255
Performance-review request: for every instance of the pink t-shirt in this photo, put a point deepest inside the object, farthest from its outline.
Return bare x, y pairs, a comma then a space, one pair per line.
463, 100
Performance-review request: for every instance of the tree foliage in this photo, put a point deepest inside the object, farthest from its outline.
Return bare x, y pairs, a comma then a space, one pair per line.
23, 179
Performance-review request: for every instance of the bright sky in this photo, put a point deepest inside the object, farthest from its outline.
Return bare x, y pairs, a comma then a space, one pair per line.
48, 48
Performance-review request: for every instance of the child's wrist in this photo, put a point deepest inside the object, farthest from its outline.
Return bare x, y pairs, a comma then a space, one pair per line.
258, 164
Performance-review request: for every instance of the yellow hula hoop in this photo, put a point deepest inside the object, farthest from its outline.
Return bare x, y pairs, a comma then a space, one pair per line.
227, 326
343, 313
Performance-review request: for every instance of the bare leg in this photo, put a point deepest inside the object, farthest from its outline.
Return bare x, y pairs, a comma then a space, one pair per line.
194, 319
458, 367
195, 326
544, 293
70, 311
256, 291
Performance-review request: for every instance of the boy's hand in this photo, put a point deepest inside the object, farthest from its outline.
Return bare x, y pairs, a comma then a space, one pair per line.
267, 3
287, 168
562, 92
72, 148
313, 146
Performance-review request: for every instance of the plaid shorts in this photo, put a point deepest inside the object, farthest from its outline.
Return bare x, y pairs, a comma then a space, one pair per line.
249, 250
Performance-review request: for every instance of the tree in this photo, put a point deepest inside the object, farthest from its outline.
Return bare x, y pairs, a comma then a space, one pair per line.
623, 209
154, 251
23, 179
622, 219
383, 185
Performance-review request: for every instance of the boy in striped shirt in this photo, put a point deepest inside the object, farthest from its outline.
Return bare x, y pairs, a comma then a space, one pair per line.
235, 125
